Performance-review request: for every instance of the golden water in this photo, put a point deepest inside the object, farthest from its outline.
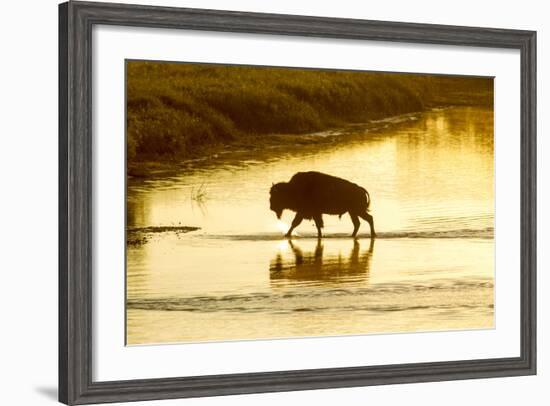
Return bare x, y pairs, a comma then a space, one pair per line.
430, 177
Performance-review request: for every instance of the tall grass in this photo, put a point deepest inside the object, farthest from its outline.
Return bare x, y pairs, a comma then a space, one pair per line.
176, 111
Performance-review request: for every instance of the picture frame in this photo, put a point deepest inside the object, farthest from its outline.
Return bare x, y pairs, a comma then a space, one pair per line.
76, 256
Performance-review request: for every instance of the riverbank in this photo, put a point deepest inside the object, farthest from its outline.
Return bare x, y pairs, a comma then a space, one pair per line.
246, 148
180, 112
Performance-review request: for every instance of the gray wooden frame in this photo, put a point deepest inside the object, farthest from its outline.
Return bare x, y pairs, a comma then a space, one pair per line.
76, 20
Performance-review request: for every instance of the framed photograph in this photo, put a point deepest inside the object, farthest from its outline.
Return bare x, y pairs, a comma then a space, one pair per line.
257, 202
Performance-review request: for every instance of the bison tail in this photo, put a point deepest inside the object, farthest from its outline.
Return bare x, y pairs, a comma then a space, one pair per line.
368, 199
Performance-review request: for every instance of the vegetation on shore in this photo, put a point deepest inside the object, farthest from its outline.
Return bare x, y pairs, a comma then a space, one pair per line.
177, 111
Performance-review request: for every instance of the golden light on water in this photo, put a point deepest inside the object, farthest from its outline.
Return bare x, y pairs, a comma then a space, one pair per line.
282, 226
430, 176
283, 245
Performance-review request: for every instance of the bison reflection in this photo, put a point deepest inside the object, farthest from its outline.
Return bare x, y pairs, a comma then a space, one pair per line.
312, 194
317, 268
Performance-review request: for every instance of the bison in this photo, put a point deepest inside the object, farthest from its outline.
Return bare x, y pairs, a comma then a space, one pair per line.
312, 194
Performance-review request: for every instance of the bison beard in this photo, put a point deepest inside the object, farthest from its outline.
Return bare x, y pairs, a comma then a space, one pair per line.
312, 194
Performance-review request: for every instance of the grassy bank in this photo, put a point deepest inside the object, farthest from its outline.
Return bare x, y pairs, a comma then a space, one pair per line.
181, 111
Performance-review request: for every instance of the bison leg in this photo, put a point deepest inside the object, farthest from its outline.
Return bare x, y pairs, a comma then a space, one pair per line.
356, 224
318, 218
295, 223
369, 220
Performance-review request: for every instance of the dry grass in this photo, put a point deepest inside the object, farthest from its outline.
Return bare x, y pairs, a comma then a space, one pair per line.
176, 111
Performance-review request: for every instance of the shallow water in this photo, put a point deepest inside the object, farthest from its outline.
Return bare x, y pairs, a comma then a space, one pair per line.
430, 177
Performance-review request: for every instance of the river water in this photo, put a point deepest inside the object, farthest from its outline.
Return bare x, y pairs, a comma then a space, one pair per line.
431, 179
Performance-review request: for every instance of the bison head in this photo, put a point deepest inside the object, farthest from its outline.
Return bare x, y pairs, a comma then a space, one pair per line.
278, 198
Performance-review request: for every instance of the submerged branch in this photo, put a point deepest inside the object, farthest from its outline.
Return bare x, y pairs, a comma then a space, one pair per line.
136, 236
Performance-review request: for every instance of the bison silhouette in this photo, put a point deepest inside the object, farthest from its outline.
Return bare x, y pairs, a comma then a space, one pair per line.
312, 194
